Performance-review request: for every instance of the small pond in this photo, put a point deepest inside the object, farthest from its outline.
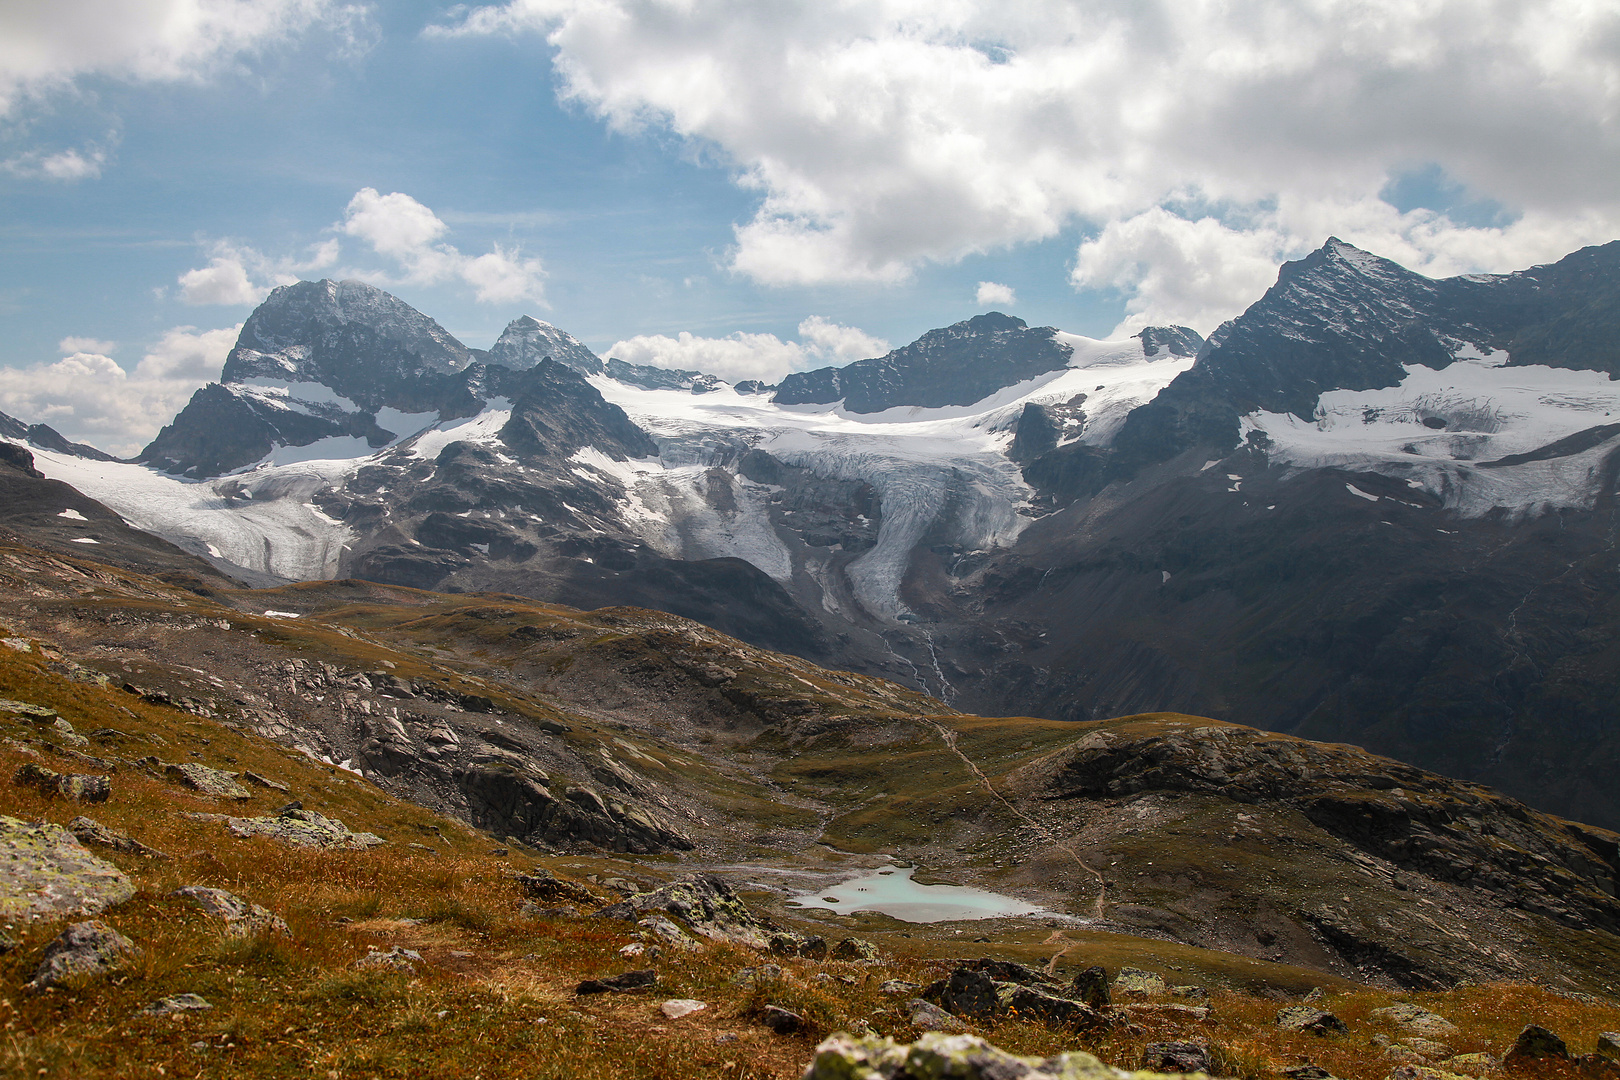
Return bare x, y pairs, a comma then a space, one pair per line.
891, 891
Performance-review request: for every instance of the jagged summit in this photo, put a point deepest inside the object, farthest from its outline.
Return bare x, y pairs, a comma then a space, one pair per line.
349, 336
526, 341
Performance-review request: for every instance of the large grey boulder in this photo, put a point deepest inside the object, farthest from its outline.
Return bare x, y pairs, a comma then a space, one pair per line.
702, 902
938, 1056
79, 787
45, 872
93, 833
241, 918
84, 948
302, 828
1309, 1018
206, 781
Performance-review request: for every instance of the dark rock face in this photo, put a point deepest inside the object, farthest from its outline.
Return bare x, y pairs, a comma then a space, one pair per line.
346, 335
1475, 647
989, 989
957, 365
1535, 1042
649, 377
556, 412
18, 458
1176, 1057
509, 803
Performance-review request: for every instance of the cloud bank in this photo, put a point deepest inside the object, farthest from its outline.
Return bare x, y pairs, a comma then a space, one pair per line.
46, 45
753, 356
89, 397
394, 226
885, 134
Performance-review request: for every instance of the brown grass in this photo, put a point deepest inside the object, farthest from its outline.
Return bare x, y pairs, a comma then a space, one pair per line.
494, 997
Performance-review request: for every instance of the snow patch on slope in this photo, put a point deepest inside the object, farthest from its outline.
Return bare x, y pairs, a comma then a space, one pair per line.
1439, 430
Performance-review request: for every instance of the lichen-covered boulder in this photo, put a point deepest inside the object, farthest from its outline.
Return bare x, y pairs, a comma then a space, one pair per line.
1309, 1018
702, 902
1414, 1019
46, 873
1141, 983
85, 948
789, 943
662, 930
93, 833
1034, 1003
1091, 987
212, 782
303, 829
856, 949
241, 918
938, 1056
76, 786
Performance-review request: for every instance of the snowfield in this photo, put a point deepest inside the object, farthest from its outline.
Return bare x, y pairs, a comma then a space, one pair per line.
1443, 430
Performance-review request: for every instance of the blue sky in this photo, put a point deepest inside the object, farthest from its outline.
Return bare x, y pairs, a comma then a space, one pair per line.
635, 169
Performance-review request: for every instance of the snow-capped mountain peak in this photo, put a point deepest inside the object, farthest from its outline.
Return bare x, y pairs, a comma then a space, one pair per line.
526, 341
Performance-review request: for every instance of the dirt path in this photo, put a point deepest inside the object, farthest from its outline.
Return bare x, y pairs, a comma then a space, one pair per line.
948, 737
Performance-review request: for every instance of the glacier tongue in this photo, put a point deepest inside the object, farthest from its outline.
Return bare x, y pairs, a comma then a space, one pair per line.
915, 479
264, 520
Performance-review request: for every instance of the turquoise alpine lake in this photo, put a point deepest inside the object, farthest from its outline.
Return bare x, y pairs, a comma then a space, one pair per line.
891, 891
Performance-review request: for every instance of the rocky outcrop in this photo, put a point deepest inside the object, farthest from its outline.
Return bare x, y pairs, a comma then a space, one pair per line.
93, 833
76, 786
555, 412
987, 990
962, 1057
1447, 829
297, 827
703, 903
512, 801
49, 874
206, 781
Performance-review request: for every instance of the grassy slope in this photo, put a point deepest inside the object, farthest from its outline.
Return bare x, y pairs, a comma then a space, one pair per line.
299, 1008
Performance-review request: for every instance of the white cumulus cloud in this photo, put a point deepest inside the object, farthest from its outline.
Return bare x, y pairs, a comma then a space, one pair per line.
394, 226
64, 165
71, 345
400, 228
884, 134
991, 293
89, 397
742, 356
45, 45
